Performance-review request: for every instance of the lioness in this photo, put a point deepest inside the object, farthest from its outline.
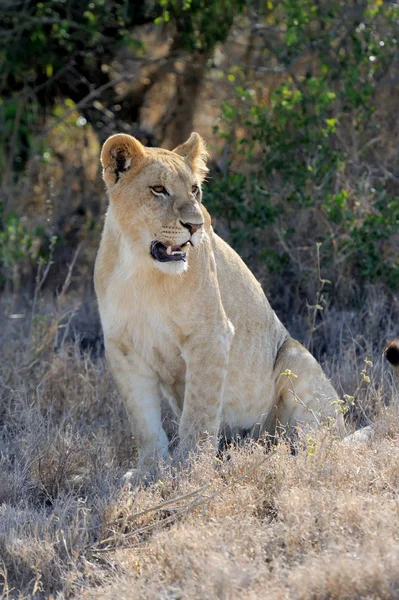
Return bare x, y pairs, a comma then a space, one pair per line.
184, 319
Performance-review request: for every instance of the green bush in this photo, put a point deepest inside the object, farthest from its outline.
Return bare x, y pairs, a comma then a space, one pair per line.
22, 249
303, 184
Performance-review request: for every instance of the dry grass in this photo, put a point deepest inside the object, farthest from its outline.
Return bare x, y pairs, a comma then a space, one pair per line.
320, 524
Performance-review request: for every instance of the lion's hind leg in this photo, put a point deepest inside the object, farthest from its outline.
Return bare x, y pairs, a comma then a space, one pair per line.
303, 394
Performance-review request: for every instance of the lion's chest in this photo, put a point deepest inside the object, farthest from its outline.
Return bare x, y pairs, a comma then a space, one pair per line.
159, 347
155, 339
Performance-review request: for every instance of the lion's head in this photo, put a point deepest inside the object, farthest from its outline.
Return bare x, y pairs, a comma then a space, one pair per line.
155, 198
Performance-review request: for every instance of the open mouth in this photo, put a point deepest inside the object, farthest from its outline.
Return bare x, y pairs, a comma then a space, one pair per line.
168, 253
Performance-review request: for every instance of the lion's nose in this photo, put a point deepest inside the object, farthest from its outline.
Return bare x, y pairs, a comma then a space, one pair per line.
192, 227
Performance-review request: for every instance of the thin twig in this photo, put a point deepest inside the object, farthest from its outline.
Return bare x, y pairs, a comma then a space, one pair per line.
185, 509
302, 403
68, 278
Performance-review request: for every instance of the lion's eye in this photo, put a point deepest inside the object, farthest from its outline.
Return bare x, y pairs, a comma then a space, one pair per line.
195, 190
159, 189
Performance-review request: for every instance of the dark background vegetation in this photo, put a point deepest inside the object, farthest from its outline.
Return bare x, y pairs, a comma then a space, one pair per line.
298, 101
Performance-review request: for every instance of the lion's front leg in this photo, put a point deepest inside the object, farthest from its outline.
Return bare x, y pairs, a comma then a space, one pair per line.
206, 354
139, 389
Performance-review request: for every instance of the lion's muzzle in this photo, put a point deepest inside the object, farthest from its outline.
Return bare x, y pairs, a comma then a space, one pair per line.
164, 253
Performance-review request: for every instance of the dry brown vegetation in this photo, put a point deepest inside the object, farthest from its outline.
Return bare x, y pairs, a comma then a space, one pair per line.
320, 523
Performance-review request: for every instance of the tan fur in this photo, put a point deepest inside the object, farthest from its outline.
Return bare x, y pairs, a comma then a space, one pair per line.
201, 334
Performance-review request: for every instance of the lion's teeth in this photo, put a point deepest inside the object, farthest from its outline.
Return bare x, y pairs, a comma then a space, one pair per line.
176, 252
169, 250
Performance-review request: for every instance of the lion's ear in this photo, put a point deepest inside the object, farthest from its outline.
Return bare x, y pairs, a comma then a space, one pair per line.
194, 153
119, 154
